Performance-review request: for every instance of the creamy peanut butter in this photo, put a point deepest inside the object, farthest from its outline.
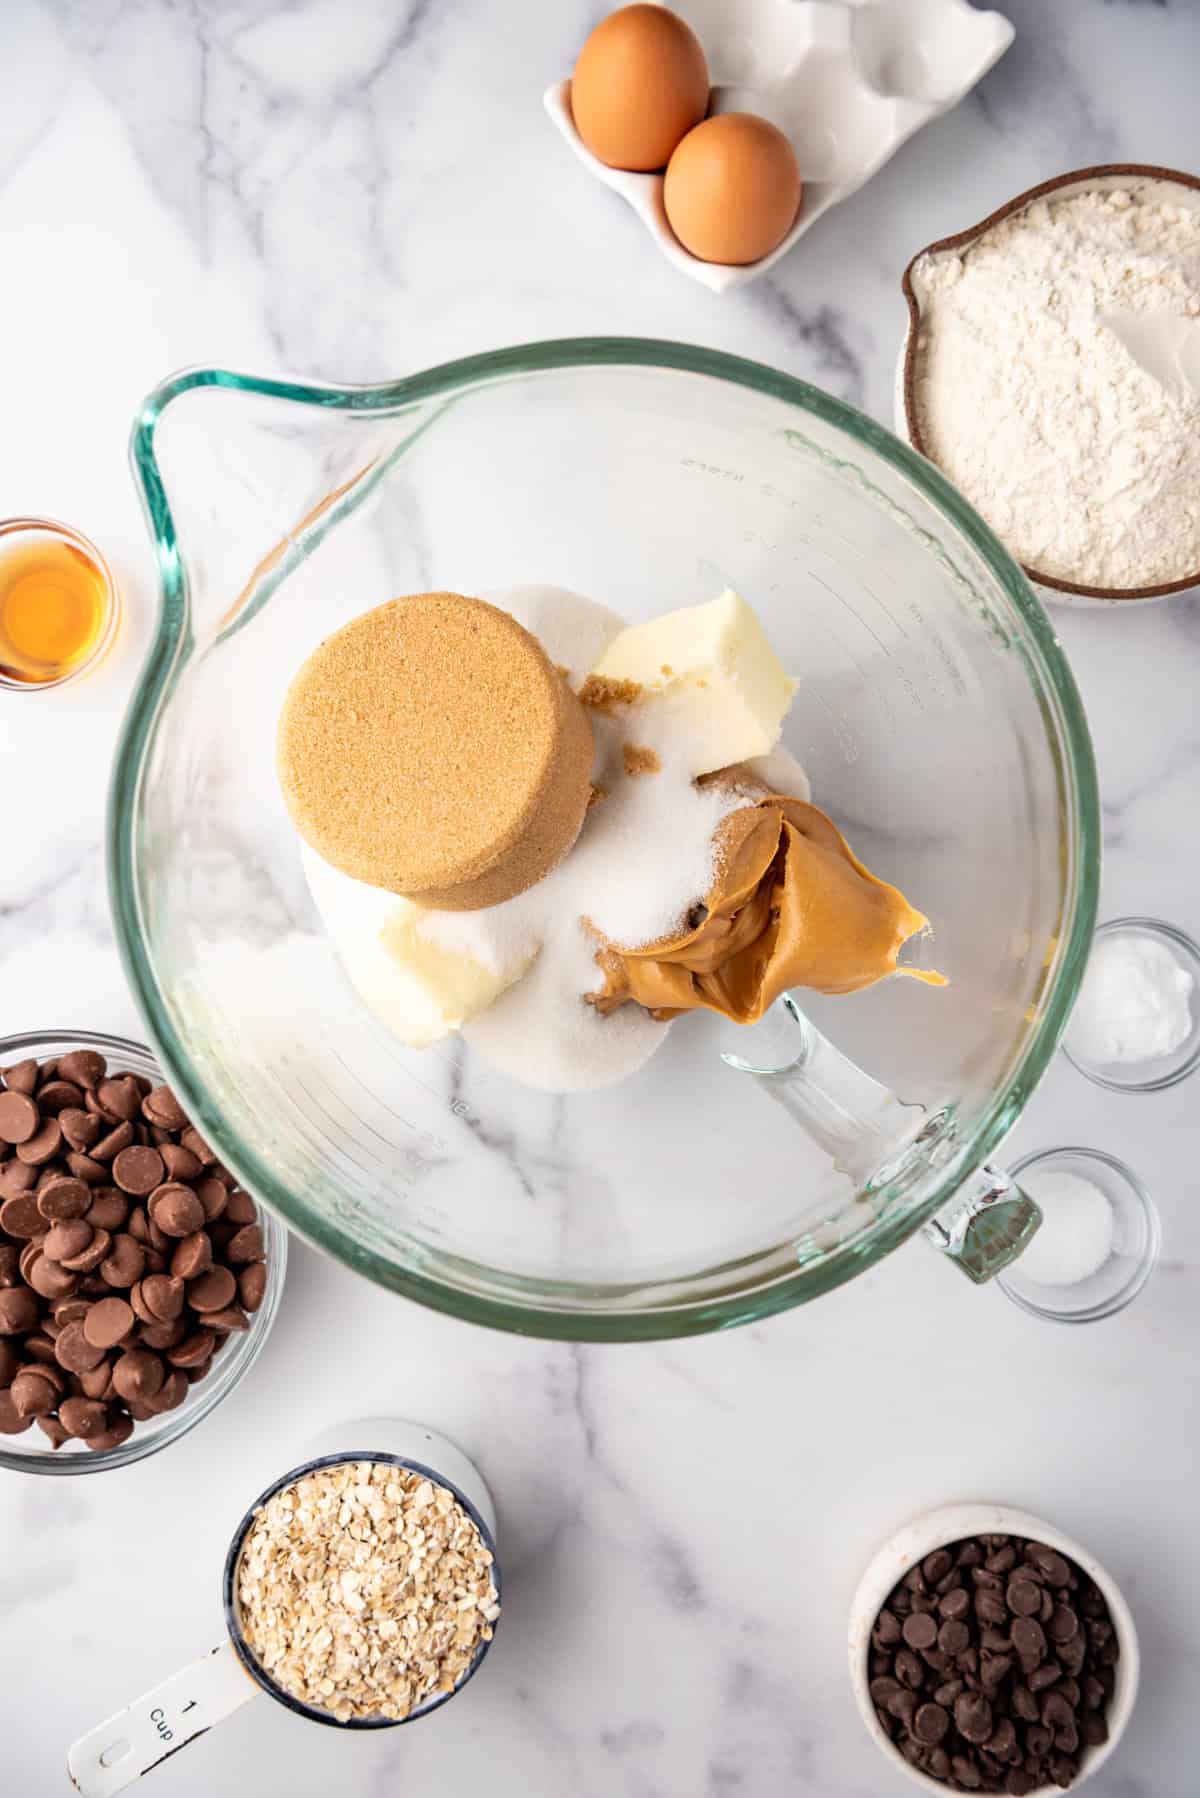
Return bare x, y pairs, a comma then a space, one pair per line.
791, 905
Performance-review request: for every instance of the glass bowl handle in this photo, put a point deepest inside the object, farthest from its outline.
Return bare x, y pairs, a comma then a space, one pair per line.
163, 1720
986, 1225
874, 1138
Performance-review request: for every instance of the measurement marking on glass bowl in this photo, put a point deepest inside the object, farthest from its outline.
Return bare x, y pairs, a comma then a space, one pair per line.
382, 1103
845, 736
853, 611
429, 1140
724, 474
316, 1105
836, 637
802, 503
886, 610
458, 1106
285, 1093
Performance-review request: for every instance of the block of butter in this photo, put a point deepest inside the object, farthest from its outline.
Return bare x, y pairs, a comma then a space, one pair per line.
717, 672
419, 988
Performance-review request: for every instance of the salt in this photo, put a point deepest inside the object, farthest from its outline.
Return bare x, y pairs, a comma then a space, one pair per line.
1135, 1003
1076, 1234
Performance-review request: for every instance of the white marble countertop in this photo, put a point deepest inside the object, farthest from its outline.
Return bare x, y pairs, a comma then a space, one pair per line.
353, 191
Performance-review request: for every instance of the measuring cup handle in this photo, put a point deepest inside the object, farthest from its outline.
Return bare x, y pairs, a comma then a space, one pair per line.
159, 1723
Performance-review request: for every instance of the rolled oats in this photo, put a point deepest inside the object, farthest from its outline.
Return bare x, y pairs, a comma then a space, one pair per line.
364, 1590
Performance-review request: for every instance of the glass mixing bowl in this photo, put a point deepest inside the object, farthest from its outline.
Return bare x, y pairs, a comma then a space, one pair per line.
935, 715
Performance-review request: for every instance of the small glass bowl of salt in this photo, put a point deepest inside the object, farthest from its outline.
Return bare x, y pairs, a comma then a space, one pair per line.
1098, 1241
1136, 1024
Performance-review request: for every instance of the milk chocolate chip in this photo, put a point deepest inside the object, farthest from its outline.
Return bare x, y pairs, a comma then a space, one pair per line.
84, 1066
19, 1310
108, 1321
213, 1291
20, 1217
19, 1117
82, 1416
138, 1374
62, 1199
43, 1145
176, 1210
22, 1077
34, 1392
138, 1170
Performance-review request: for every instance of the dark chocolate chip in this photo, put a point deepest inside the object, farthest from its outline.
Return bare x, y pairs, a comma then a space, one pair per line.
930, 1723
920, 1630
1023, 1596
1029, 1639
973, 1717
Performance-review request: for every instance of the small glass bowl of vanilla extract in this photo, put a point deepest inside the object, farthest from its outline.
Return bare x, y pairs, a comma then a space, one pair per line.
59, 604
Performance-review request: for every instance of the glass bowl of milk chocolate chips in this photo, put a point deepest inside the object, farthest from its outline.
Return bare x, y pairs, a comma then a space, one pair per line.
550, 760
138, 1280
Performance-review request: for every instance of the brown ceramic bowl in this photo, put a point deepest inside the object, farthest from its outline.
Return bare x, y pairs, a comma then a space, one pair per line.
1101, 177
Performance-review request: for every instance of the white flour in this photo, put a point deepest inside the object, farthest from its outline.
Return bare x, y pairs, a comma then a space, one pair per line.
1031, 399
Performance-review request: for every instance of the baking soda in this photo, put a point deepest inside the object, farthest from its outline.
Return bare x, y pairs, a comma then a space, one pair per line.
1135, 1003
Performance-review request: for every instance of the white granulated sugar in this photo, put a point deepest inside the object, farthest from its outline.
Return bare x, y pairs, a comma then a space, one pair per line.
1076, 1234
573, 631
543, 1034
1135, 1003
782, 773
1031, 399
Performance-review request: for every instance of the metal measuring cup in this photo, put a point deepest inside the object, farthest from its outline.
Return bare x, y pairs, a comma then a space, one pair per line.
135, 1740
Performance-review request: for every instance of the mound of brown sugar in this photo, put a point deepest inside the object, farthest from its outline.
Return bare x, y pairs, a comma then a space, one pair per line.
430, 747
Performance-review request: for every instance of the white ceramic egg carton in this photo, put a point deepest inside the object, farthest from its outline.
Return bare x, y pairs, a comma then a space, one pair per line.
848, 81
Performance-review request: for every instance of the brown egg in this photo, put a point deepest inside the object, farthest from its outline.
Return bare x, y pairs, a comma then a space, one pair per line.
732, 189
640, 84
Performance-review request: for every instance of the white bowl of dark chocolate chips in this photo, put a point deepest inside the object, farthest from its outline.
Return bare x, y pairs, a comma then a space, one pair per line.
991, 1653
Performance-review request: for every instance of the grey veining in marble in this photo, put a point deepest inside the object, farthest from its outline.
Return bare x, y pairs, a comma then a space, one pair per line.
353, 189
